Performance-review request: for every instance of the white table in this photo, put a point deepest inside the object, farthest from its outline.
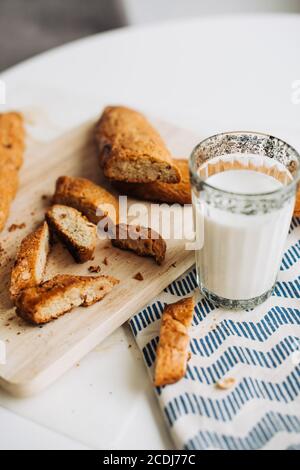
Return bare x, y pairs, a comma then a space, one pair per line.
208, 75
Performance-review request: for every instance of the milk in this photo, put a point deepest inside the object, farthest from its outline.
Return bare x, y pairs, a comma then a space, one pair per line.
241, 254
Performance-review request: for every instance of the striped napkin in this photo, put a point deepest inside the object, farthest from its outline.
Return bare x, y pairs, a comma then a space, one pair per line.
259, 349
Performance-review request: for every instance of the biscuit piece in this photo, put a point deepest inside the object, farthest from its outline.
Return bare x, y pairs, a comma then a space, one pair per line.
12, 144
297, 205
143, 241
74, 230
87, 197
61, 294
31, 261
179, 193
131, 150
172, 351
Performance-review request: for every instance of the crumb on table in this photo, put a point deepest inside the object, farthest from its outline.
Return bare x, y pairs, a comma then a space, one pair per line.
226, 384
94, 269
15, 227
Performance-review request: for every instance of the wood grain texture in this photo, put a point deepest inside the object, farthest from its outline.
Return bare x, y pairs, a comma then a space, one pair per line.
38, 356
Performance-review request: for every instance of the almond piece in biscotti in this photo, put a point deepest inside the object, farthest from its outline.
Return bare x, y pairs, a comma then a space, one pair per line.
172, 352
131, 150
74, 230
178, 193
143, 241
31, 261
60, 295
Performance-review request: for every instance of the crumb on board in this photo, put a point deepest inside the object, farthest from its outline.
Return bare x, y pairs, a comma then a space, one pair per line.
94, 269
173, 265
189, 356
226, 384
15, 227
105, 261
138, 277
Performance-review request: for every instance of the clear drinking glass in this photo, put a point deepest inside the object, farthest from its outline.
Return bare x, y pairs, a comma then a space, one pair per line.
244, 188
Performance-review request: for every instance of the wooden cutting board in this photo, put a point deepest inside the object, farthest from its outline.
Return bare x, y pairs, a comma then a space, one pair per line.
35, 357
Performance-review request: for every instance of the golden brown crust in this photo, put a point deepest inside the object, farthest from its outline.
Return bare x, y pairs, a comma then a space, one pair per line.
87, 197
12, 143
74, 230
143, 241
172, 351
12, 139
61, 294
297, 205
179, 193
131, 149
31, 261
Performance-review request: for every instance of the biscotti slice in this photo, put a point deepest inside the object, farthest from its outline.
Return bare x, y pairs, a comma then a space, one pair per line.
131, 149
143, 241
12, 143
31, 261
297, 205
74, 230
172, 351
92, 200
61, 294
179, 193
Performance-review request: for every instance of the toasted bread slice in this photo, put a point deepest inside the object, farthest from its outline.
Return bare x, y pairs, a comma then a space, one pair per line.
172, 351
92, 200
179, 193
61, 294
143, 241
31, 261
74, 230
131, 150
12, 144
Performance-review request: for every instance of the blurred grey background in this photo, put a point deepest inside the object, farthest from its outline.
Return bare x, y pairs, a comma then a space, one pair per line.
28, 27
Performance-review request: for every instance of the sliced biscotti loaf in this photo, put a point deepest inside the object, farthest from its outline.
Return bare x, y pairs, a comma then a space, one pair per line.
12, 139
61, 294
87, 197
12, 144
131, 149
178, 193
172, 351
74, 230
31, 261
143, 241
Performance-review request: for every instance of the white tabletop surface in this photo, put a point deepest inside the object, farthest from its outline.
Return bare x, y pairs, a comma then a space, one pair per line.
208, 75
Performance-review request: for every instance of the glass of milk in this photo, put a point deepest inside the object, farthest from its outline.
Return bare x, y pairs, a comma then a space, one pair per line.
244, 188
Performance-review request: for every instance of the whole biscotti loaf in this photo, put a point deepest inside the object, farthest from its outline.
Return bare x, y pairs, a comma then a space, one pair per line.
131, 150
12, 144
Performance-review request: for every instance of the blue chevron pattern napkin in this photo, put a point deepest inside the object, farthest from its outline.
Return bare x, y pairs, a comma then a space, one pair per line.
260, 349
